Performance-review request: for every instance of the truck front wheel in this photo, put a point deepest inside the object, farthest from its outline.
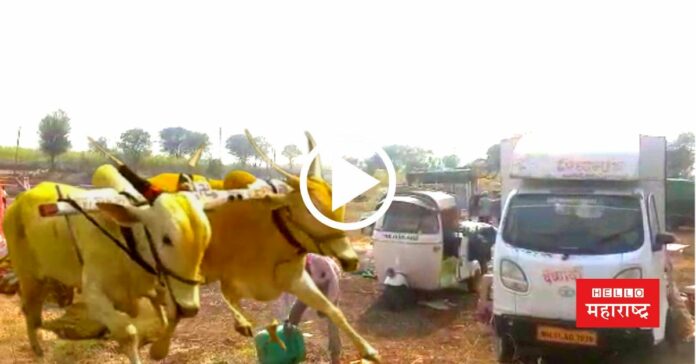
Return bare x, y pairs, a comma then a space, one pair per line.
504, 348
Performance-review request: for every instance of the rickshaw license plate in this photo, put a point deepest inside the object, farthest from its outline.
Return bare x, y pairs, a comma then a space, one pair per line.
565, 336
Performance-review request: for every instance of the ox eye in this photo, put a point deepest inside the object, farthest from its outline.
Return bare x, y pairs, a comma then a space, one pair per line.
166, 240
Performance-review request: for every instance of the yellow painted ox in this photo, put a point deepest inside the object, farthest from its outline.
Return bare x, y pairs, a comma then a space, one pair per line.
173, 182
258, 250
110, 280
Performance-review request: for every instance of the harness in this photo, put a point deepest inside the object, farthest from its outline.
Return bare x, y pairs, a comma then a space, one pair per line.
130, 248
284, 230
283, 223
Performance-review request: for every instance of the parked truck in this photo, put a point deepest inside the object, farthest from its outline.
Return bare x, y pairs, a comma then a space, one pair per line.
574, 208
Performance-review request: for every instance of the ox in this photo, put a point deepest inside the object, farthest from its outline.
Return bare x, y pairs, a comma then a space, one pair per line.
258, 251
170, 234
173, 182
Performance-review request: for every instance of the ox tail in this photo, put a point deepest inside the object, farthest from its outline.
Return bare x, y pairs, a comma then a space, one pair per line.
13, 229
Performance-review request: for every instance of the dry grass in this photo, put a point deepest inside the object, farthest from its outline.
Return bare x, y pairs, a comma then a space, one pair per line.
417, 336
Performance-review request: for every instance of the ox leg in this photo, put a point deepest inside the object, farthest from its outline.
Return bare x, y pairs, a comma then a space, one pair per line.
160, 348
32, 293
307, 292
241, 323
120, 325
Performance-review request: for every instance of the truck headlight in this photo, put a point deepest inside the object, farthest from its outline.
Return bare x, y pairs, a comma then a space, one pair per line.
512, 276
630, 273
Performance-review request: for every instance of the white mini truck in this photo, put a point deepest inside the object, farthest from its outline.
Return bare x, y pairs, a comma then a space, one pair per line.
575, 208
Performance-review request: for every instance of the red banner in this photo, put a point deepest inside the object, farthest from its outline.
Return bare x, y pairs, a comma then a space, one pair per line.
619, 303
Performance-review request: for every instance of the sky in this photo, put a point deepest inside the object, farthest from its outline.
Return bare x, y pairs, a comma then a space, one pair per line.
450, 76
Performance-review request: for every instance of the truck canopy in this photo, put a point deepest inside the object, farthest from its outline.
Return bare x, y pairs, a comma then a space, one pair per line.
593, 161
541, 157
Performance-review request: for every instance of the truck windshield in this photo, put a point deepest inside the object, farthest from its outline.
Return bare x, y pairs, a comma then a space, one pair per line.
574, 224
408, 218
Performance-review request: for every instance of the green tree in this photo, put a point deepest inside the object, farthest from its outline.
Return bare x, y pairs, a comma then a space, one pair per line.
171, 141
239, 146
409, 158
265, 146
291, 152
54, 129
372, 164
434, 163
493, 159
193, 141
214, 169
450, 161
135, 145
179, 142
680, 157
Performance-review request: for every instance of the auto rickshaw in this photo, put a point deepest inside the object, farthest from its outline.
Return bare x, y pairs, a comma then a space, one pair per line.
419, 244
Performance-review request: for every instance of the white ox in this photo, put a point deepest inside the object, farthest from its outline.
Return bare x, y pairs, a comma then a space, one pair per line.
79, 254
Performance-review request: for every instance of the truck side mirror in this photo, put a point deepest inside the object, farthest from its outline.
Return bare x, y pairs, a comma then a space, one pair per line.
662, 239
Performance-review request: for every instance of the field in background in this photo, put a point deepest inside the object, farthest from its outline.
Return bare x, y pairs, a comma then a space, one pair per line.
77, 167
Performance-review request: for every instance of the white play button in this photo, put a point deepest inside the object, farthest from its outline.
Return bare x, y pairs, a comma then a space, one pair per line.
348, 182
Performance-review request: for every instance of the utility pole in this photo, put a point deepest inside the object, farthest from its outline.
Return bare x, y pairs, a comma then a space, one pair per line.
220, 143
19, 132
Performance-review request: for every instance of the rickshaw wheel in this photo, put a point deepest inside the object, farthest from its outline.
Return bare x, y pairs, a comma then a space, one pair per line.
398, 298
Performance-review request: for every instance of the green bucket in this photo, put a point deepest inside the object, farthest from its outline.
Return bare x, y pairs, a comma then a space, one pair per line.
271, 353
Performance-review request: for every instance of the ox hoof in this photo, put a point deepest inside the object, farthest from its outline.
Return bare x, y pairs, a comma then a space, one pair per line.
372, 356
159, 349
244, 330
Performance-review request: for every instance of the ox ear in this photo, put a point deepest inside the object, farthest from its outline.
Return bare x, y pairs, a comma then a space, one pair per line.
185, 182
123, 215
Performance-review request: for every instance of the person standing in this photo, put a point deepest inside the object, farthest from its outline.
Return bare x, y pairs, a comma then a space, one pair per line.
325, 273
496, 208
485, 208
474, 205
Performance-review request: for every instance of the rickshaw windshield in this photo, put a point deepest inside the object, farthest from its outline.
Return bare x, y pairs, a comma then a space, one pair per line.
409, 218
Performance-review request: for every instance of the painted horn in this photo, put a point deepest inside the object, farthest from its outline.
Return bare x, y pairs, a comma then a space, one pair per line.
140, 184
196, 156
315, 167
265, 157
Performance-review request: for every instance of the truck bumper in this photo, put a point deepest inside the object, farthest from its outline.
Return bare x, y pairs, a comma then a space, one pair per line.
523, 331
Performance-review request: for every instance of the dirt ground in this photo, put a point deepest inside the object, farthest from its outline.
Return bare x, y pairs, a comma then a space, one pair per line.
416, 336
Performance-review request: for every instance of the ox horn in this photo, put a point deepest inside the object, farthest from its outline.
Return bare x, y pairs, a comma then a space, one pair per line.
265, 157
140, 184
315, 167
196, 156
105, 152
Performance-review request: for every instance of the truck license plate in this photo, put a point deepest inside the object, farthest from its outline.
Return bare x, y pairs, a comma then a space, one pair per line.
565, 336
